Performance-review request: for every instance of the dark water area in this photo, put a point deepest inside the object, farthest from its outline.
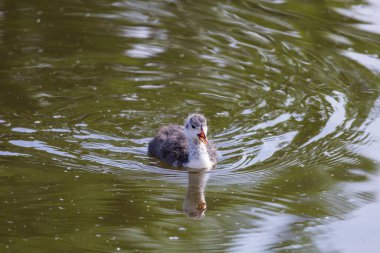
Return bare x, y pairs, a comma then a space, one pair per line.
291, 93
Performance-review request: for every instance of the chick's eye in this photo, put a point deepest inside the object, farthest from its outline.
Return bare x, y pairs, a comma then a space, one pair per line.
193, 126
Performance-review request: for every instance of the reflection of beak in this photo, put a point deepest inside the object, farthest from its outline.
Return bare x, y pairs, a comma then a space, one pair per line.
202, 207
202, 137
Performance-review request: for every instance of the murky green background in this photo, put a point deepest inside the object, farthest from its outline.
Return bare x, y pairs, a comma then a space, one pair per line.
291, 91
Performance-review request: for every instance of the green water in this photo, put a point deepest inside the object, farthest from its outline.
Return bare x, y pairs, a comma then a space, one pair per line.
290, 90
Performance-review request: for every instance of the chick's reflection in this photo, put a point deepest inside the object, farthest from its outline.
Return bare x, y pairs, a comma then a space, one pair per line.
195, 203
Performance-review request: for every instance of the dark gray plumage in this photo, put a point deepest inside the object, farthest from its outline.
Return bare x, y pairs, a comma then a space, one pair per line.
182, 146
170, 145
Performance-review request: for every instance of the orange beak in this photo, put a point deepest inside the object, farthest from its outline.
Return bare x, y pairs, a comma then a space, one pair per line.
202, 137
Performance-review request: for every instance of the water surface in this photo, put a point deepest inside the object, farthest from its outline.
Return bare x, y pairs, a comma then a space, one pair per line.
291, 92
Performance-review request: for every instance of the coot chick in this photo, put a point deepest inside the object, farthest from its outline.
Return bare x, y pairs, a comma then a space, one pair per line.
185, 146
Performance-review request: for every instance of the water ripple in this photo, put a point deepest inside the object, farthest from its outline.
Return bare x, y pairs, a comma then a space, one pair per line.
336, 119
39, 145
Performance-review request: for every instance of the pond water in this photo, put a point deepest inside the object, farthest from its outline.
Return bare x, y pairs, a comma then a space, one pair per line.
291, 92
